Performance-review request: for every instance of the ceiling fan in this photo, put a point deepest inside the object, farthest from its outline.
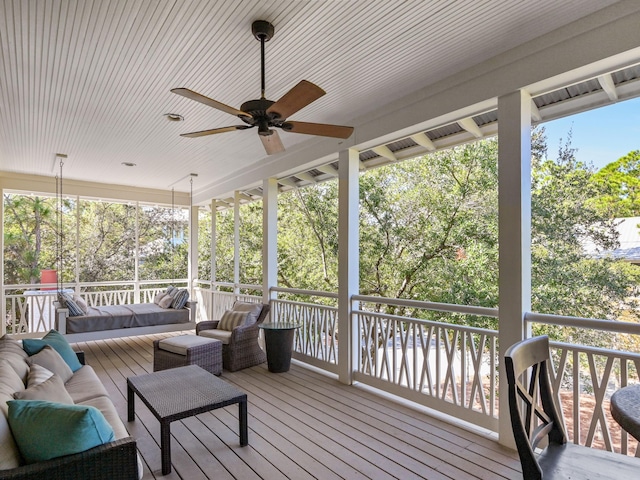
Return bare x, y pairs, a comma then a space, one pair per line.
266, 114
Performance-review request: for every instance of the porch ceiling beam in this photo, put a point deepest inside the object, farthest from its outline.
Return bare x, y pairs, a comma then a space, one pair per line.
384, 151
470, 126
423, 140
607, 84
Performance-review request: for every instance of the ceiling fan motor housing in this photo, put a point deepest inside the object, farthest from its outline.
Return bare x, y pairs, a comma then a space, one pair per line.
259, 116
262, 30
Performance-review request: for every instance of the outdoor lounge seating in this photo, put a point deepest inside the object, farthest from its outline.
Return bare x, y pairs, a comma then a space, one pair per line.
55, 436
534, 417
114, 321
185, 350
240, 348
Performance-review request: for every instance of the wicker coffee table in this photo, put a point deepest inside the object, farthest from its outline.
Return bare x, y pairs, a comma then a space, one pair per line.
182, 392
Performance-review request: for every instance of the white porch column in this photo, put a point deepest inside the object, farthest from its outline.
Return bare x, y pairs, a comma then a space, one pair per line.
214, 261
236, 241
214, 235
269, 238
514, 201
3, 309
348, 261
192, 268
136, 264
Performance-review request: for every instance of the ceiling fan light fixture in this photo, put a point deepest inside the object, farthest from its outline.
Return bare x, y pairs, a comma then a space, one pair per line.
263, 128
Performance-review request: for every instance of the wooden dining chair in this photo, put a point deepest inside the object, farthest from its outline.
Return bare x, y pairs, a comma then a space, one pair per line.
535, 417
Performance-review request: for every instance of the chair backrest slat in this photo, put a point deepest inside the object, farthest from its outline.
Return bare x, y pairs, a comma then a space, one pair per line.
539, 417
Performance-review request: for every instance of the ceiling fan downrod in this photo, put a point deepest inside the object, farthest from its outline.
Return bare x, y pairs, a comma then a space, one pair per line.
263, 31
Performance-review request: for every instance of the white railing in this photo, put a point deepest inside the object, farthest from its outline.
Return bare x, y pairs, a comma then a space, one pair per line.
212, 302
442, 365
584, 378
316, 341
448, 367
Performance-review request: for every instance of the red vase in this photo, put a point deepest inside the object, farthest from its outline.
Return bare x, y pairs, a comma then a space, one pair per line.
48, 276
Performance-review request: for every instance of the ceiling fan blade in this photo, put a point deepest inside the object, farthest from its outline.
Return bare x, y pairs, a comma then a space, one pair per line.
190, 94
213, 131
296, 99
272, 143
322, 129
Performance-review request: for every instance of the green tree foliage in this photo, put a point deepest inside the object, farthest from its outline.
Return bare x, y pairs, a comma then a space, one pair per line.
620, 185
308, 237
250, 244
164, 243
107, 241
30, 238
565, 280
429, 227
204, 245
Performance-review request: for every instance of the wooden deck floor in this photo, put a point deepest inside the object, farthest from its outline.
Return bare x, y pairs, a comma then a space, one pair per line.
302, 425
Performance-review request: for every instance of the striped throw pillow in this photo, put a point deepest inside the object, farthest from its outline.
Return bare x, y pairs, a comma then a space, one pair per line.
74, 309
180, 299
231, 320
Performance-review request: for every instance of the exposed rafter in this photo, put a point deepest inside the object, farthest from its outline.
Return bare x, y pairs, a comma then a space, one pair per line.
424, 141
385, 152
306, 176
608, 85
470, 126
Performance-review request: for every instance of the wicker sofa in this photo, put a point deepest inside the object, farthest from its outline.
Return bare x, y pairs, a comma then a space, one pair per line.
114, 460
240, 348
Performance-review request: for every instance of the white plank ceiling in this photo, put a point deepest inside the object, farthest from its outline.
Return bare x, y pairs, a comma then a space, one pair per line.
92, 78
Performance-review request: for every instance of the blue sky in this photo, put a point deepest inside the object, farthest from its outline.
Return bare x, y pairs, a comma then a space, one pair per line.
601, 136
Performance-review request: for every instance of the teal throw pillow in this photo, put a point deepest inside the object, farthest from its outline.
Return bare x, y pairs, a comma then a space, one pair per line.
45, 430
59, 344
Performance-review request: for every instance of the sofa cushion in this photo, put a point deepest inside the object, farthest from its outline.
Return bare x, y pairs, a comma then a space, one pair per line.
57, 341
106, 407
232, 319
37, 374
181, 343
51, 360
12, 351
253, 310
166, 301
9, 454
158, 297
82, 303
223, 335
85, 385
171, 290
10, 381
45, 430
51, 389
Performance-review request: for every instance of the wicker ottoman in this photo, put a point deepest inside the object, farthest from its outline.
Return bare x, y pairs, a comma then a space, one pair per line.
188, 350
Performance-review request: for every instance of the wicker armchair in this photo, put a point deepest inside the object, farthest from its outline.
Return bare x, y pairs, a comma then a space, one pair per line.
242, 349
